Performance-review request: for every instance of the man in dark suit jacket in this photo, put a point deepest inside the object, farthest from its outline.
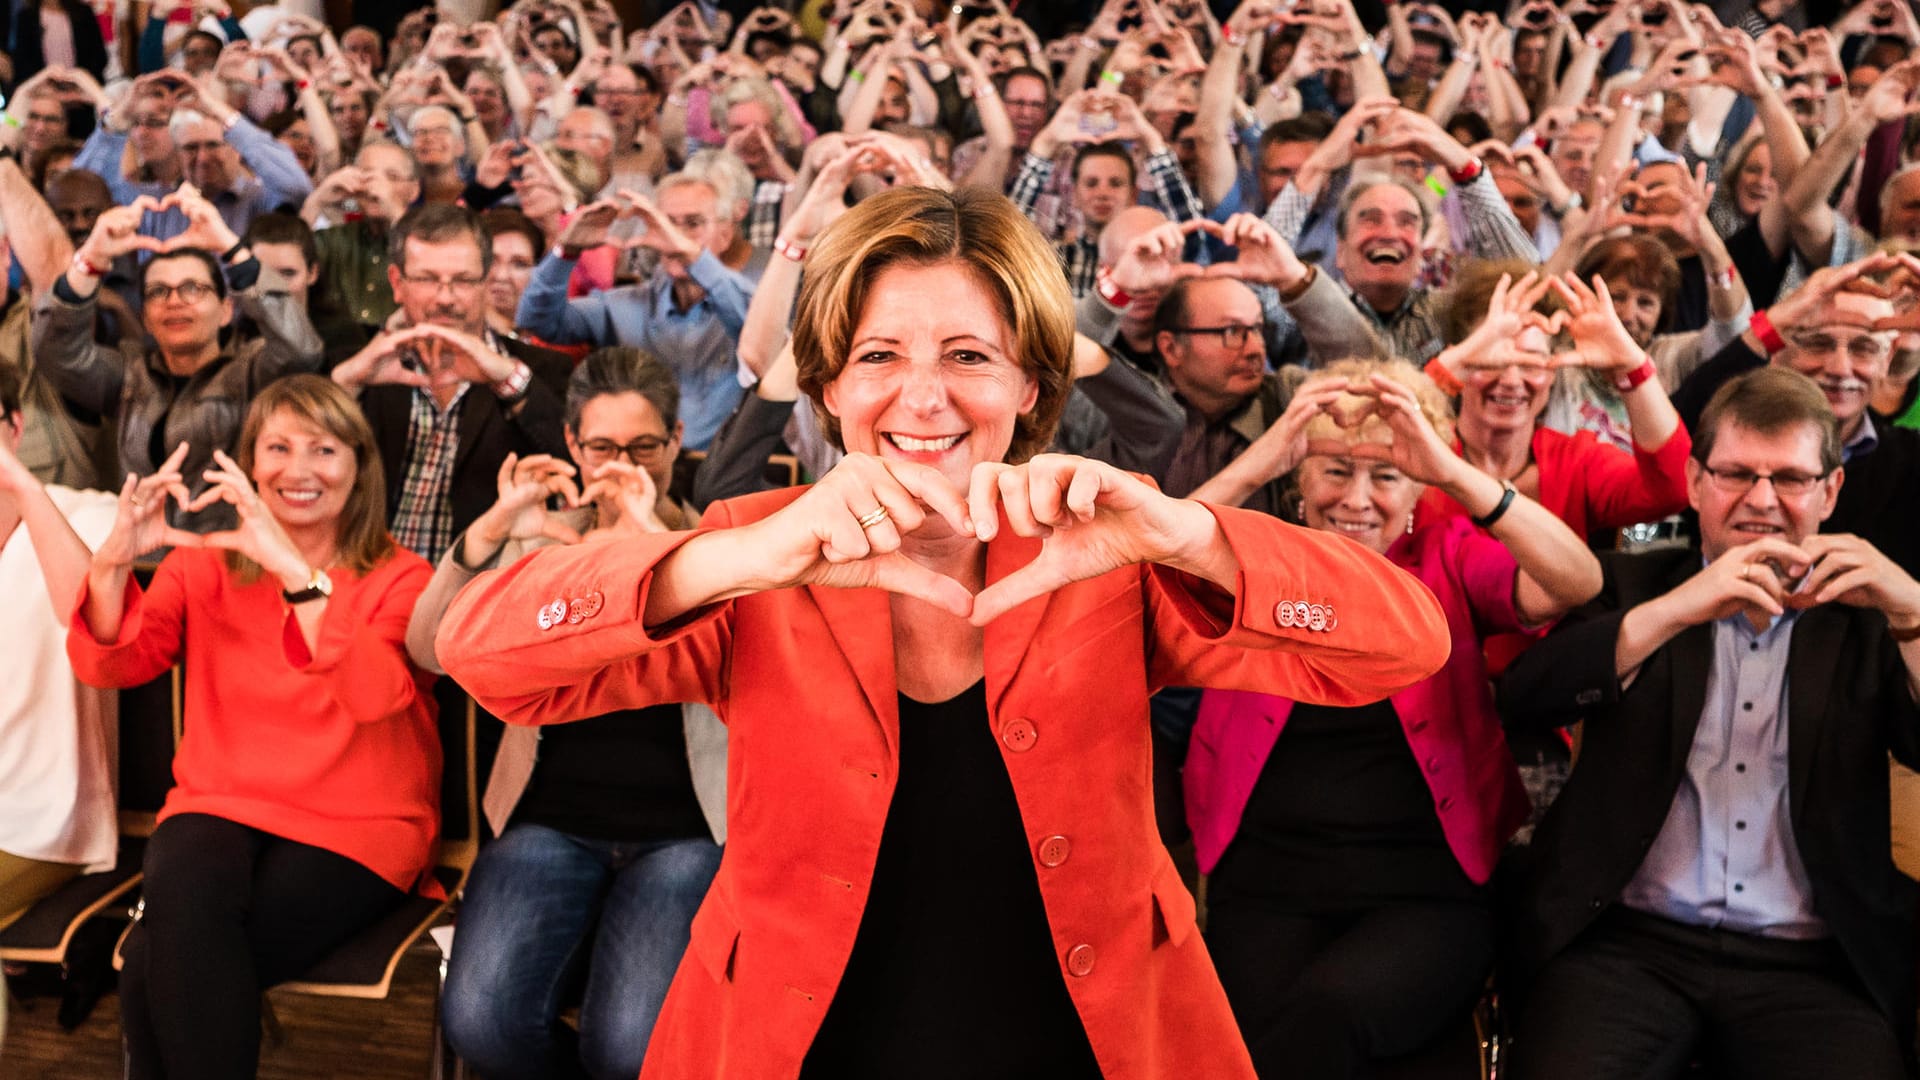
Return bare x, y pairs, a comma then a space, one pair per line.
1715, 881
447, 398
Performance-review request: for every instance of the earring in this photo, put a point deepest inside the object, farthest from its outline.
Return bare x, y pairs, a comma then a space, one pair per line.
1409, 523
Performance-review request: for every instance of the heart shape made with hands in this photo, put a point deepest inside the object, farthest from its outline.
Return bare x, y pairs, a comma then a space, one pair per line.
1352, 425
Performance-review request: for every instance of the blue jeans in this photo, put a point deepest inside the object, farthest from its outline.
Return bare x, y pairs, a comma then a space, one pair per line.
542, 909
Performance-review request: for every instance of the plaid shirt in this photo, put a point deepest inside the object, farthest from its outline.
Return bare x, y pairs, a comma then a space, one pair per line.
423, 523
1033, 187
763, 220
1081, 260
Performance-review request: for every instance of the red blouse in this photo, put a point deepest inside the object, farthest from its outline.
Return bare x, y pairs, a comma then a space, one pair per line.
338, 750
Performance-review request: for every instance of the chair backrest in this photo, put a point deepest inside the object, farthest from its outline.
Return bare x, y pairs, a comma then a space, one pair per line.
149, 735
459, 787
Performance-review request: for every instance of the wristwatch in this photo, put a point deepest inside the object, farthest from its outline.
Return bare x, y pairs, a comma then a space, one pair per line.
319, 587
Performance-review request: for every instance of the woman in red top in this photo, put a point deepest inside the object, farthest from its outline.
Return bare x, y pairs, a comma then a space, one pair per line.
307, 784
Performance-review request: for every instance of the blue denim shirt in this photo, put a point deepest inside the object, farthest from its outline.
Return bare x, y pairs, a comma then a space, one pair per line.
700, 344
277, 180
1726, 856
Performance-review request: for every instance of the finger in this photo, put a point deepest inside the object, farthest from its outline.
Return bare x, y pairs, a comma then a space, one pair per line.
1030, 581
984, 498
1083, 494
898, 574
1016, 501
1860, 579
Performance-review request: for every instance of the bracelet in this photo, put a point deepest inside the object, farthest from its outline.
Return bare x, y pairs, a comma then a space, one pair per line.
1500, 508
1631, 380
1904, 637
1110, 291
1227, 35
1467, 173
1089, 42
515, 385
231, 121
1594, 41
1763, 329
856, 75
789, 250
238, 246
1724, 278
1631, 101
1443, 377
1835, 82
13, 121
1112, 76
984, 91
81, 264
1436, 185
300, 85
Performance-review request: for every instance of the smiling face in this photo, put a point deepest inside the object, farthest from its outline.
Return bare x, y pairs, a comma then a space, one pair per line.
1365, 501
181, 325
1026, 102
303, 474
1754, 187
1379, 253
1573, 153
1639, 309
1728, 520
1507, 398
1211, 375
1279, 161
1837, 350
513, 262
931, 376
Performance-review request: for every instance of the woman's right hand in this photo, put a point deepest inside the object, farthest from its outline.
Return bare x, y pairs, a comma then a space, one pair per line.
818, 539
140, 520
117, 232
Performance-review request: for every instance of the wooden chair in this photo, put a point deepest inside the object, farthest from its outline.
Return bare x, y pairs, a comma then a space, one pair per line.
149, 725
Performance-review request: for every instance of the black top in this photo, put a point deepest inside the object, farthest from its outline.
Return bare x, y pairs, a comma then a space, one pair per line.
622, 777
1341, 816
953, 973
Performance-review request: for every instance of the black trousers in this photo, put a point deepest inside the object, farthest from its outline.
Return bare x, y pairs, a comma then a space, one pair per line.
230, 911
1638, 996
1322, 995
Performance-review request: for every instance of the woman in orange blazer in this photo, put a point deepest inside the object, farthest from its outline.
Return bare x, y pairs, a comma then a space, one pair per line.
934, 665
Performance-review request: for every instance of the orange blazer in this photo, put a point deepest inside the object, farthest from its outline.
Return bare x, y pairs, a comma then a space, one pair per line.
805, 679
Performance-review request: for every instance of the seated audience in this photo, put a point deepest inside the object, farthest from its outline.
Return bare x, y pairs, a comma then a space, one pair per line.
1716, 880
608, 829
306, 787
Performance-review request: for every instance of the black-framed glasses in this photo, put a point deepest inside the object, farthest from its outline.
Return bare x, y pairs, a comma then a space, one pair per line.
1741, 481
640, 451
190, 291
1232, 335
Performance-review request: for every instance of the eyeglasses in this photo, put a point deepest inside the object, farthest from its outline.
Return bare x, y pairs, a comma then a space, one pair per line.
1232, 335
691, 223
154, 122
1741, 481
190, 291
460, 286
640, 451
1863, 348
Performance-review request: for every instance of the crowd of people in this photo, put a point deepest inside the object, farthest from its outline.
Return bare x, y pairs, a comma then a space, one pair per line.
1448, 464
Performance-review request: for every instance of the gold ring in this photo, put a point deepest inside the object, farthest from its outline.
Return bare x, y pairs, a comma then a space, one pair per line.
1745, 570
872, 517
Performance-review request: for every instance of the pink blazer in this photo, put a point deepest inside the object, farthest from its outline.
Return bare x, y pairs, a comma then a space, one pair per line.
1449, 718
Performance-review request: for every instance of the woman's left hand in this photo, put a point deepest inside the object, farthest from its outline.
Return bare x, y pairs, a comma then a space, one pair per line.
1417, 449
1090, 518
259, 536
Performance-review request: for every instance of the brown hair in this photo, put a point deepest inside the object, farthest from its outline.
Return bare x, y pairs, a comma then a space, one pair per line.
1640, 261
1769, 400
11, 387
362, 541
1471, 294
985, 233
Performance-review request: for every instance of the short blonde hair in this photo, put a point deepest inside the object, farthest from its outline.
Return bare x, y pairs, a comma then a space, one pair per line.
1433, 403
984, 232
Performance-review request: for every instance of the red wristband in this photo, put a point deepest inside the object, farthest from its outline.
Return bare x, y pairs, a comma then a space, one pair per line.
1835, 82
1763, 329
80, 263
1113, 294
1447, 381
1466, 173
789, 250
301, 85
1632, 379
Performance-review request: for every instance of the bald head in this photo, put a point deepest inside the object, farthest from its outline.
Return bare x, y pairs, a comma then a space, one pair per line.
1127, 226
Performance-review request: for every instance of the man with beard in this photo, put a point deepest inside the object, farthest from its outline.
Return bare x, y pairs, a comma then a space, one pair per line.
447, 398
1839, 331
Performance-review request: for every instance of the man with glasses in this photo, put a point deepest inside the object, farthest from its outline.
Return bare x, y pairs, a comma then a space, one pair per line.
688, 313
1716, 879
212, 141
630, 98
447, 398
1829, 330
